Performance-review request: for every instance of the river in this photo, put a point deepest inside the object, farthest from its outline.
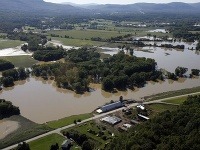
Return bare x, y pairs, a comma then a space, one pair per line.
40, 101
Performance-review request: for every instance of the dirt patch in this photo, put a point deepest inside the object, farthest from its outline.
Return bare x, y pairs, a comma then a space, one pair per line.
7, 127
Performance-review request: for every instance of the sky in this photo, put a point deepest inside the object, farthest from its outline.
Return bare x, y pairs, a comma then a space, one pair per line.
120, 1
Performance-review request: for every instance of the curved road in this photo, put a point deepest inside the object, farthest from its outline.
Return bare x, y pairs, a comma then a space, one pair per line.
58, 131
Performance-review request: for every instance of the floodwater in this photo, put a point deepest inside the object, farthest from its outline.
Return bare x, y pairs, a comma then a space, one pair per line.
166, 58
40, 101
158, 30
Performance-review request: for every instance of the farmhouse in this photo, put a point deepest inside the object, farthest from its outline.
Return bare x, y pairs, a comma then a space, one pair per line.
110, 107
111, 120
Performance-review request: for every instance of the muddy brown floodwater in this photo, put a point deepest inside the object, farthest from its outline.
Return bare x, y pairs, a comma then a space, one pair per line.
41, 101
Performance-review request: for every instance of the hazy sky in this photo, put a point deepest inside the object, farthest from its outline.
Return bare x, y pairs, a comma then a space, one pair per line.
120, 1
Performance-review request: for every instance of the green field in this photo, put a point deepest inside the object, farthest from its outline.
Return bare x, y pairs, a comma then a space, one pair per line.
20, 61
67, 121
87, 34
158, 108
173, 93
46, 142
177, 100
78, 42
4, 43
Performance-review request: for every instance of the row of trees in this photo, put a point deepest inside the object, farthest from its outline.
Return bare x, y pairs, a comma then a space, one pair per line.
169, 130
7, 109
9, 76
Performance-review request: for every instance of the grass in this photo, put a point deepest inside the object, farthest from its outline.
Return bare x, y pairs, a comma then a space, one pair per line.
173, 93
46, 142
87, 34
177, 100
4, 43
158, 108
20, 61
27, 130
67, 121
77, 42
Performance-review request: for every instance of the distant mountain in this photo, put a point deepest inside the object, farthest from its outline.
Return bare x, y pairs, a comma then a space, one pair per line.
36, 6
79, 5
174, 7
42, 7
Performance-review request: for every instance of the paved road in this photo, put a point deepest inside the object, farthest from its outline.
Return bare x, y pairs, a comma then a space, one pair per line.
95, 117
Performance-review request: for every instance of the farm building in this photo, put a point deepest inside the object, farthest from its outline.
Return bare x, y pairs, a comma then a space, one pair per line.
111, 120
110, 107
143, 117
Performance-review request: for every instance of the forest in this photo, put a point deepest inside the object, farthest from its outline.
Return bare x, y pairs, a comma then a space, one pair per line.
178, 129
84, 66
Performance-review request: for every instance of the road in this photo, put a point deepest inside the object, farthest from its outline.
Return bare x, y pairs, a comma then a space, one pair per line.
58, 131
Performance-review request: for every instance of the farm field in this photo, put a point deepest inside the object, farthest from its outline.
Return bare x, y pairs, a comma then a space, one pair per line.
20, 61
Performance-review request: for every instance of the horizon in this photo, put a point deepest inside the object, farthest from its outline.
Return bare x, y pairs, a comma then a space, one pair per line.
119, 1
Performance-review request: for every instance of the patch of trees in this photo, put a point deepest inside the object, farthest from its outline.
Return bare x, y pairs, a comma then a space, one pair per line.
186, 35
81, 139
5, 65
33, 40
178, 129
82, 55
23, 146
7, 109
49, 55
9, 76
198, 46
195, 72
180, 71
171, 46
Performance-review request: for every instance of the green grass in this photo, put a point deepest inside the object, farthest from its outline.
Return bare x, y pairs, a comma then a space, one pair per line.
20, 61
67, 121
4, 43
157, 108
177, 100
46, 142
173, 93
87, 34
78, 42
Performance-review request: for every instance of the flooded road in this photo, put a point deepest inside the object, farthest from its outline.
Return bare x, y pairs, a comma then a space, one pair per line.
41, 101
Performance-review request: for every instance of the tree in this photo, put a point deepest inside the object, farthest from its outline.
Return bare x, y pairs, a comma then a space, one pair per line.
87, 145
107, 84
23, 146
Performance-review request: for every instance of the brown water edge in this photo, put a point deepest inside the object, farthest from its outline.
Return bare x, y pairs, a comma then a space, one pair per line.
40, 101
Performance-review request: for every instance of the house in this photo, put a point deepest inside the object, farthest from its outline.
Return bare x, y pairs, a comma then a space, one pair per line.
110, 107
113, 120
66, 145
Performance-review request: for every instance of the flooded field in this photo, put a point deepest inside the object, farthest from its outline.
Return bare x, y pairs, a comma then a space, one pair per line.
40, 101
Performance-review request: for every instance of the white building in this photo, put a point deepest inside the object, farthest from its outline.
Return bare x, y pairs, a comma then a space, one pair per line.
110, 107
